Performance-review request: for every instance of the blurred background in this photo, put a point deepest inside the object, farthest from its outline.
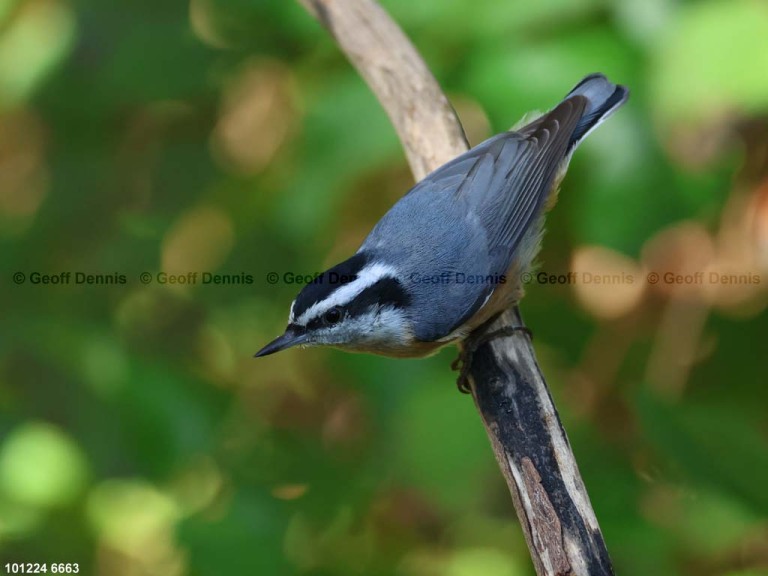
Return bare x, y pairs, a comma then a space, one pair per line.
138, 436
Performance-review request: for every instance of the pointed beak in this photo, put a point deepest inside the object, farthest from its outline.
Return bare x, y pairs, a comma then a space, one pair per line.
292, 337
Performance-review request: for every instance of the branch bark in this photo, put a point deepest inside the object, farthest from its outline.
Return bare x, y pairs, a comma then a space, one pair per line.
509, 390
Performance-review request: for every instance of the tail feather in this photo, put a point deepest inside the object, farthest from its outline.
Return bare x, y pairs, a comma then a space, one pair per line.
603, 97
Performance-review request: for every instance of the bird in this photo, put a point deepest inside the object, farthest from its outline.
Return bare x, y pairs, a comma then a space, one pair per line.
450, 254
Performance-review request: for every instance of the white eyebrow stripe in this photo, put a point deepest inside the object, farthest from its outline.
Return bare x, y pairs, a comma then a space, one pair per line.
290, 314
367, 277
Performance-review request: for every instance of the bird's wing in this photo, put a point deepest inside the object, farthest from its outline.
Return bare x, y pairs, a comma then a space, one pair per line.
505, 181
469, 216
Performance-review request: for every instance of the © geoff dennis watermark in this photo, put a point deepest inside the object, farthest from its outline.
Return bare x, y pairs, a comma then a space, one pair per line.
444, 278
79, 278
541, 277
662, 278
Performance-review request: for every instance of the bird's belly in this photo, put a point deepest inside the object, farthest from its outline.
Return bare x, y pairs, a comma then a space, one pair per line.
413, 349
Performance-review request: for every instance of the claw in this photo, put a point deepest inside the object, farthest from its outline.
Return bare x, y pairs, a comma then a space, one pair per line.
464, 360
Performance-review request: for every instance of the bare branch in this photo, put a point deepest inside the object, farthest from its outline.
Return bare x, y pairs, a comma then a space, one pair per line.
511, 395
535, 456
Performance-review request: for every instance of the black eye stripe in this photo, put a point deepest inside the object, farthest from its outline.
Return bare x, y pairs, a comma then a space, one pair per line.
330, 281
385, 292
297, 328
328, 318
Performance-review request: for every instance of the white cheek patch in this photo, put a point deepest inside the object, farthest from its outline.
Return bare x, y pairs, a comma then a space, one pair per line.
392, 326
368, 276
385, 328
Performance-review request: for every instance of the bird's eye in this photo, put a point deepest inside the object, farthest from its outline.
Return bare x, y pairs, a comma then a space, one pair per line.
333, 316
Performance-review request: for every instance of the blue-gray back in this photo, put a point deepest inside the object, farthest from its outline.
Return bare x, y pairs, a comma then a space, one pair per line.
467, 218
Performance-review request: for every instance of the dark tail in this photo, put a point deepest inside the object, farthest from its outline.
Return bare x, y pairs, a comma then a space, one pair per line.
603, 98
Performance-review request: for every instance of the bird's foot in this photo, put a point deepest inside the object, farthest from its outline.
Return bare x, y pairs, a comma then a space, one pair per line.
463, 362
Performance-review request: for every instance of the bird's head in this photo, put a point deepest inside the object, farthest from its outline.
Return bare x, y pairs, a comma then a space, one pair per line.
358, 305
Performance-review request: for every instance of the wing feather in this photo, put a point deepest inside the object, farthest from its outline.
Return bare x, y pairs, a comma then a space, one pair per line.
498, 190
509, 177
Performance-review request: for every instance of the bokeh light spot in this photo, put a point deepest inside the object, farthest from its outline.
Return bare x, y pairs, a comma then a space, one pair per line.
199, 242
608, 284
41, 466
39, 37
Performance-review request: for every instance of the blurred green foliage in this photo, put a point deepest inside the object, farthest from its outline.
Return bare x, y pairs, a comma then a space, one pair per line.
139, 437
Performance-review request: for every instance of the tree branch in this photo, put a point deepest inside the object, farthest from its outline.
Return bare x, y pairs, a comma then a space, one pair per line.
510, 393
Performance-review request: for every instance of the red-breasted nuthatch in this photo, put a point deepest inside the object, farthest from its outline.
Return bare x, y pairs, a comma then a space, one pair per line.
449, 255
